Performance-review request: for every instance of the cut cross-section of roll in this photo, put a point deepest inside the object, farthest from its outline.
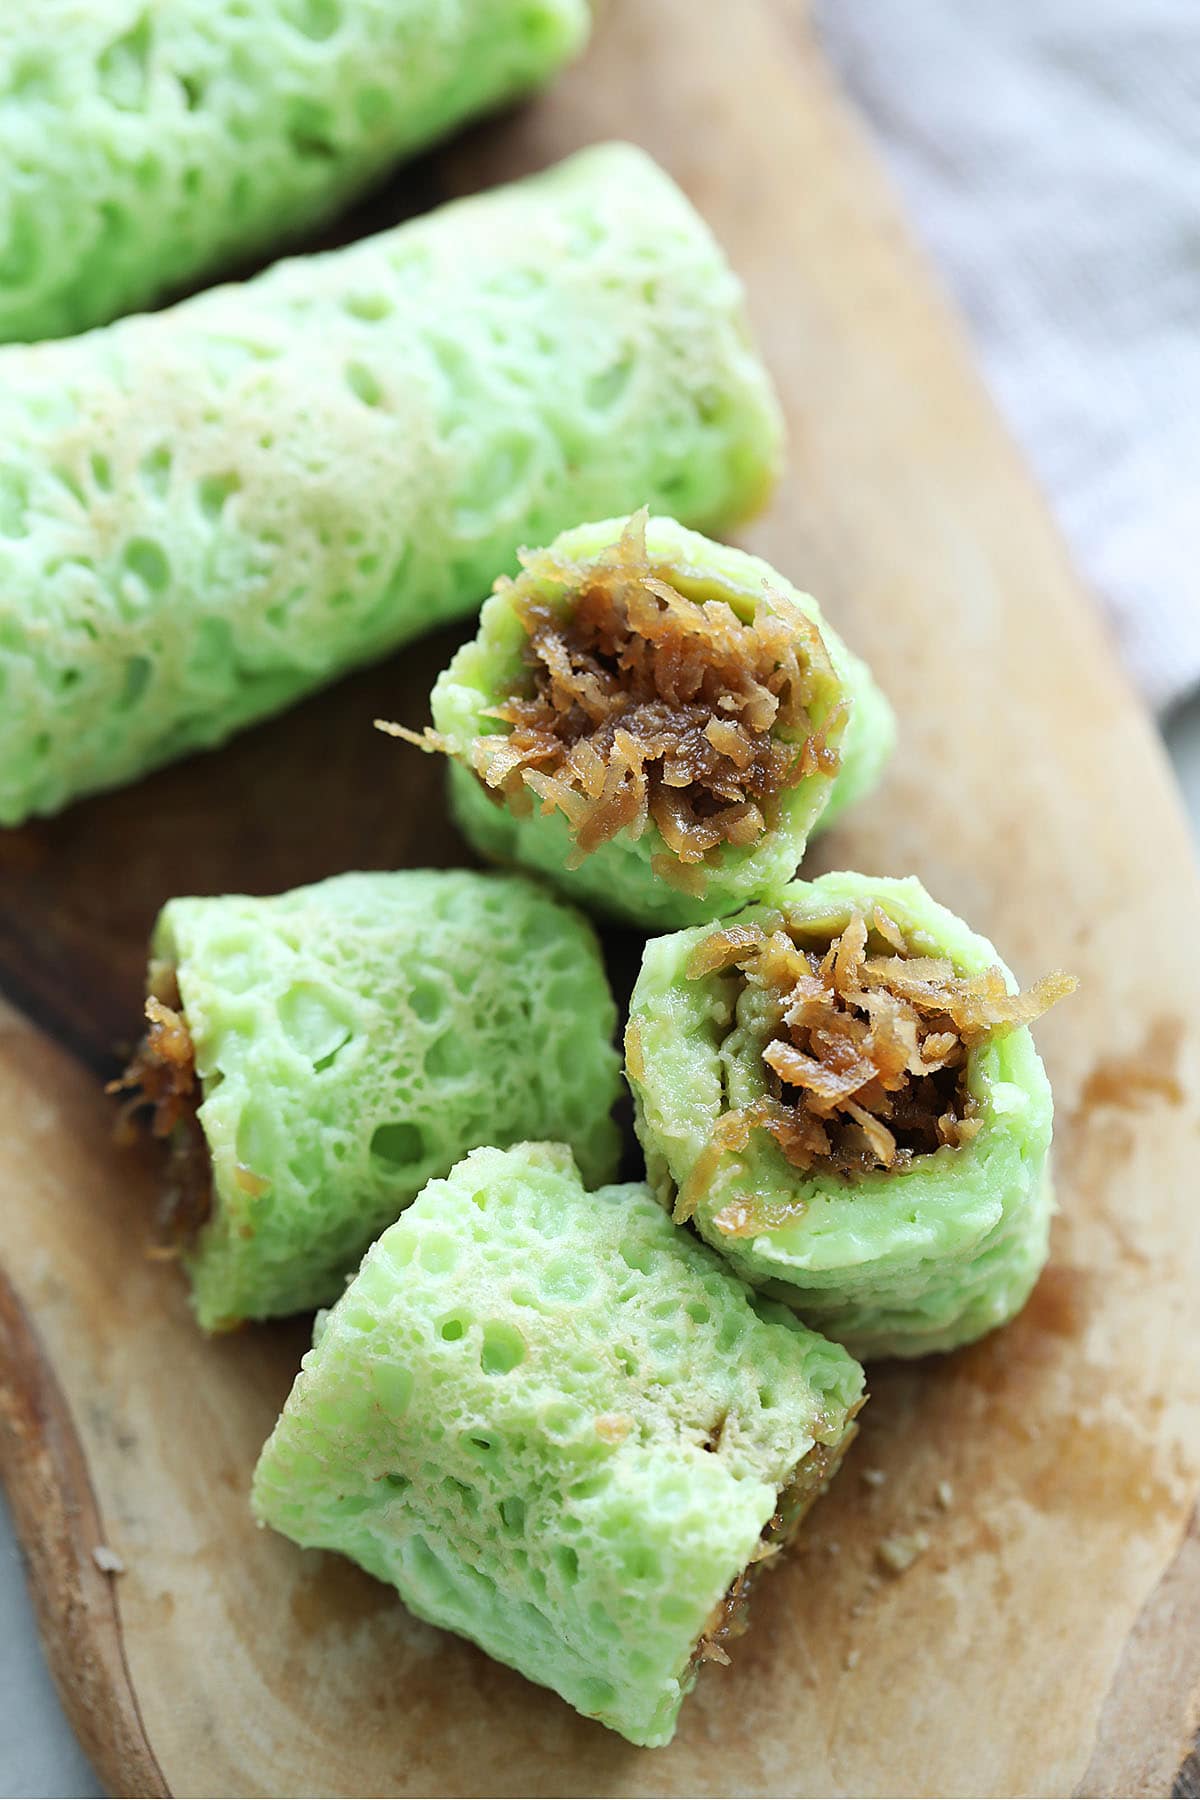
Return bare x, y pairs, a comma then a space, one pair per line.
561, 1427
655, 722
314, 1058
841, 1091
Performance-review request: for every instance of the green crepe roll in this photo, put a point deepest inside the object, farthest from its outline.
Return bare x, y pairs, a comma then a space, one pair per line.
145, 145
207, 512
317, 1056
654, 722
561, 1428
840, 1089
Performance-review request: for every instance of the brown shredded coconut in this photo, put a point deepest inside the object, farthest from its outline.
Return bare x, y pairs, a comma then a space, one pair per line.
641, 706
163, 1097
809, 1479
867, 1063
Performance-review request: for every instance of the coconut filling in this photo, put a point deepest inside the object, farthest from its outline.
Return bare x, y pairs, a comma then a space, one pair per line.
163, 1098
867, 1055
636, 706
730, 1618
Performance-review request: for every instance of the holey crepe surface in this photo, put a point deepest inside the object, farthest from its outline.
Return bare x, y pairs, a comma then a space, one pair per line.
618, 878
356, 1037
890, 1262
207, 512
507, 1416
145, 145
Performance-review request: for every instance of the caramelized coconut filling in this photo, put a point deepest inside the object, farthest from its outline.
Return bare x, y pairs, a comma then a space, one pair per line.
163, 1097
637, 705
867, 1056
730, 1617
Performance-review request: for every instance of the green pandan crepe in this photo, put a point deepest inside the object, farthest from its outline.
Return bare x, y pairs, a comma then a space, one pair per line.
685, 719
353, 1039
560, 1427
927, 1252
208, 512
146, 145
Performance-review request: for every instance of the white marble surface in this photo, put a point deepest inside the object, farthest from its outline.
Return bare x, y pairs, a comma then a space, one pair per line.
38, 1755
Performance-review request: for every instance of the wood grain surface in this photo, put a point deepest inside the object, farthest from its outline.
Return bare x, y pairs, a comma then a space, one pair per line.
1047, 1641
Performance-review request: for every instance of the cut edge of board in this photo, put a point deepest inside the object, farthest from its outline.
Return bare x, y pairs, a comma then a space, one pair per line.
1157, 1681
58, 1525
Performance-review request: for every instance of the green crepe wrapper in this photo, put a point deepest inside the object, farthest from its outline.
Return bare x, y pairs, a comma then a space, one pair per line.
208, 512
145, 146
506, 1417
357, 1037
617, 878
893, 1263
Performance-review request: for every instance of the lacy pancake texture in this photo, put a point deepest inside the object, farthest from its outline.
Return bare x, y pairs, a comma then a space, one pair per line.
314, 1058
208, 512
146, 145
561, 1427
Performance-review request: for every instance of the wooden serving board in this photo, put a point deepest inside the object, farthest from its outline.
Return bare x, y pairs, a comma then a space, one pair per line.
1048, 1640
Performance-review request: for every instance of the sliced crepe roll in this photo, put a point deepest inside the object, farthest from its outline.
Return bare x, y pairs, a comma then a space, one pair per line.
655, 722
841, 1091
208, 512
560, 1426
312, 1059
